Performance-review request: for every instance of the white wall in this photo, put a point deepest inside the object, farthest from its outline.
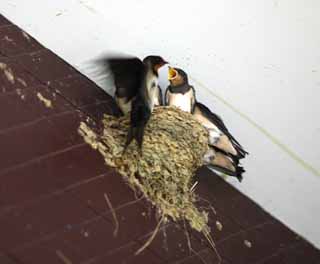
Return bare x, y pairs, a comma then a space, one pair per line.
261, 57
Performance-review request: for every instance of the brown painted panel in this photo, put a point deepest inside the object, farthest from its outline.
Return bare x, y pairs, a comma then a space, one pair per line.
4, 21
4, 259
42, 138
127, 255
112, 185
302, 252
75, 166
25, 106
274, 260
135, 220
99, 110
80, 91
256, 244
95, 239
26, 224
203, 256
13, 77
15, 41
46, 66
229, 201
51, 251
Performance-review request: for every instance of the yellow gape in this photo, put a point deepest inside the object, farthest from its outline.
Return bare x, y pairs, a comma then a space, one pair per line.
172, 73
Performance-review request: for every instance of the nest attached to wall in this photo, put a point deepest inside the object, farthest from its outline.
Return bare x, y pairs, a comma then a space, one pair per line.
173, 147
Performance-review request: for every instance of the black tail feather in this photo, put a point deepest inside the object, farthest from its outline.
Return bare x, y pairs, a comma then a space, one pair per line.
140, 115
238, 173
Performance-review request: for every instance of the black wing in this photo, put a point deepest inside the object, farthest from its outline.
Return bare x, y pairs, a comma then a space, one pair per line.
193, 100
215, 119
139, 117
127, 73
238, 173
165, 96
160, 96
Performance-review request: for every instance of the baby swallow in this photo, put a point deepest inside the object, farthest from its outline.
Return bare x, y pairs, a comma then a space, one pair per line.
137, 91
180, 93
225, 151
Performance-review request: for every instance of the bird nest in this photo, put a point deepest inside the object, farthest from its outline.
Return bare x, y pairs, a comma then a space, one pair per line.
173, 147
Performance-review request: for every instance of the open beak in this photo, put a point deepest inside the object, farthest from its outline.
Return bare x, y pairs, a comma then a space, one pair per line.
172, 73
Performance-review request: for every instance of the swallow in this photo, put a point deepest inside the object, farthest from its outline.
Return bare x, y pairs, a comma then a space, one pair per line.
224, 150
179, 92
219, 135
137, 91
128, 75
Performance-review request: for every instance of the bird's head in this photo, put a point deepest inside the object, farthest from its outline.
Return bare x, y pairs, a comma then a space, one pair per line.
155, 62
177, 77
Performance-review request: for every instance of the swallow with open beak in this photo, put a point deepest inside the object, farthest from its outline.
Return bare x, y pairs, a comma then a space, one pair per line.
137, 91
180, 93
224, 150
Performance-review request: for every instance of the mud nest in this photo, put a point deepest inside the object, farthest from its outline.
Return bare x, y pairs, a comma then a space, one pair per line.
173, 147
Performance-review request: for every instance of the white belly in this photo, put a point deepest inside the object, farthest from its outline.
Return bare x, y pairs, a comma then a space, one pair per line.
154, 96
153, 91
182, 101
214, 136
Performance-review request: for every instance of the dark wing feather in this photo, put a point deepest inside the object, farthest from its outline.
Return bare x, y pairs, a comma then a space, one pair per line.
193, 100
160, 96
140, 112
238, 173
215, 119
139, 117
127, 73
165, 96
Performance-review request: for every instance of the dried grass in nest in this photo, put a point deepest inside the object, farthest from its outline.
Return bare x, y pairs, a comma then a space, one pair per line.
173, 147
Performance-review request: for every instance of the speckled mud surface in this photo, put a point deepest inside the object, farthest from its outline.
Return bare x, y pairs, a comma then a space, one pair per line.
173, 147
